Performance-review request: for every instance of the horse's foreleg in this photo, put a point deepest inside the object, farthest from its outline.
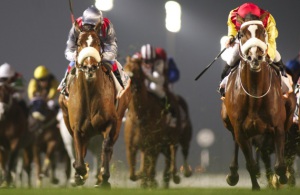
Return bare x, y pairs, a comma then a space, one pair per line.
131, 156
280, 166
107, 150
233, 178
173, 168
167, 171
251, 163
80, 145
37, 162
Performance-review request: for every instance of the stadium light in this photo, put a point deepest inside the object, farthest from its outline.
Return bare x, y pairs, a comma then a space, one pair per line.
104, 5
173, 16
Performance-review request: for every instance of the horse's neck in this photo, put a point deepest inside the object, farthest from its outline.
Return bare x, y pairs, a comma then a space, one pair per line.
255, 82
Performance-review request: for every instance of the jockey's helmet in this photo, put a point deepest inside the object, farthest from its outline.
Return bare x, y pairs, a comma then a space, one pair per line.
41, 72
161, 53
148, 53
6, 71
91, 16
249, 8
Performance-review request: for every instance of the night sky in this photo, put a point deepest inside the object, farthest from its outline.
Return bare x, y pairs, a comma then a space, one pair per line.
34, 32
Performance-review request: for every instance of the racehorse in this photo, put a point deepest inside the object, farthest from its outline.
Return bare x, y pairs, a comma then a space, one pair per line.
254, 103
147, 131
45, 139
13, 127
92, 107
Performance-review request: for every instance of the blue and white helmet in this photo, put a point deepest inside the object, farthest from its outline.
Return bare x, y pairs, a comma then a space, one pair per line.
91, 16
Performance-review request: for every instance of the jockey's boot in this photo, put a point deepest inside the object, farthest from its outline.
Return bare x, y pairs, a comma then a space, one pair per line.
221, 90
225, 71
281, 67
118, 76
62, 87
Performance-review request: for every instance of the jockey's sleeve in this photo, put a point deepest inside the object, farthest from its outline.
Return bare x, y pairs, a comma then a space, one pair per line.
109, 40
53, 89
32, 86
272, 35
71, 45
231, 26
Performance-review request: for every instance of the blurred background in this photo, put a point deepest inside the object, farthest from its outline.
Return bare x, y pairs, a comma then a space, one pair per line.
34, 32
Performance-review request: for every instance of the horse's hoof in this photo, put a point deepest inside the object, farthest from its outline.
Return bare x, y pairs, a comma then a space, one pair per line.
176, 179
104, 185
79, 180
188, 173
292, 181
283, 179
232, 180
55, 181
256, 188
133, 178
166, 185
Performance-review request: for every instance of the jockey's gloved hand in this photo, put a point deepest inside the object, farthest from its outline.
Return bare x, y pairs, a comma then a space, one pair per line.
107, 65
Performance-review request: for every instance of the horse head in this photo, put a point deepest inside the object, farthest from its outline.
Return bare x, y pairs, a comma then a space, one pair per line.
6, 99
253, 41
88, 49
133, 68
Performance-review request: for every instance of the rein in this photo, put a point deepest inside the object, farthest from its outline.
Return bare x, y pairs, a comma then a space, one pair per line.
254, 96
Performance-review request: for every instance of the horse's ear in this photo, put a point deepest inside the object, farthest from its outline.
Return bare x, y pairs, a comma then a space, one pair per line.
128, 58
263, 16
98, 27
239, 19
76, 27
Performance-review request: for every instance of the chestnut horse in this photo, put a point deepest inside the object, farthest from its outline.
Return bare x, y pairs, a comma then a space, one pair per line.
147, 131
13, 127
254, 103
91, 108
46, 141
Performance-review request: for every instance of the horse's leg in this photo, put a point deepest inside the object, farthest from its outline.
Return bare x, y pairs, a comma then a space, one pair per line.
12, 161
27, 160
280, 166
265, 152
251, 163
173, 168
167, 171
80, 167
3, 161
151, 172
107, 150
131, 156
37, 162
233, 178
185, 145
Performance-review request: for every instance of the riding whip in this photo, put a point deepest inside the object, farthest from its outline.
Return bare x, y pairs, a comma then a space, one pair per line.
207, 67
71, 10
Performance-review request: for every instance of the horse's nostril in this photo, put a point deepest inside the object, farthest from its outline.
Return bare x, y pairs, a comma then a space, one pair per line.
260, 58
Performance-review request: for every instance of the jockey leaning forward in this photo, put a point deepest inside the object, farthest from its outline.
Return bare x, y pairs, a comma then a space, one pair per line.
92, 16
250, 11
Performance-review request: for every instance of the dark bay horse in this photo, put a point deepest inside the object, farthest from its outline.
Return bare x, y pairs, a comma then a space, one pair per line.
13, 128
91, 107
147, 131
254, 103
46, 142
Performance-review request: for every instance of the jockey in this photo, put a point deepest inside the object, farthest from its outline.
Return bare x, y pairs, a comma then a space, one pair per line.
16, 81
248, 11
91, 16
43, 85
155, 67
